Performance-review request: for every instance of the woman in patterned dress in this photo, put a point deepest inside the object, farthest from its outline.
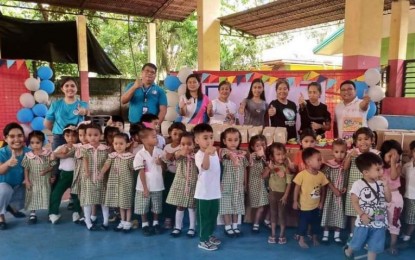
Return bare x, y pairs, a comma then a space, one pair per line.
258, 195
333, 211
120, 181
183, 188
37, 166
94, 156
363, 139
234, 176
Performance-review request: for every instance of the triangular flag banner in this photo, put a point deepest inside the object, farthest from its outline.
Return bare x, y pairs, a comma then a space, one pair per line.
272, 80
265, 78
248, 77
297, 81
313, 75
10, 63
306, 76
257, 76
360, 78
239, 79
222, 79
213, 78
231, 79
330, 83
205, 76
321, 79
19, 63
291, 80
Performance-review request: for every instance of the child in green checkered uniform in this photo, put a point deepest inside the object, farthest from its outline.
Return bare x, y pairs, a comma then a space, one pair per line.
94, 155
184, 185
120, 181
37, 166
234, 176
258, 194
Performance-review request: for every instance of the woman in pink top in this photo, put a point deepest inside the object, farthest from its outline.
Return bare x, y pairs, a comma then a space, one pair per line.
391, 152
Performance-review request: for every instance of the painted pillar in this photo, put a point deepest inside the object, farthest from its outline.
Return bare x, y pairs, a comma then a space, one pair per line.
397, 46
151, 43
82, 56
208, 34
362, 34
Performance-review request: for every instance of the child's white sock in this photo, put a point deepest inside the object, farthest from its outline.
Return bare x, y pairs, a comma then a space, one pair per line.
155, 222
192, 219
179, 219
336, 234
351, 234
93, 218
144, 224
234, 225
266, 221
227, 227
406, 238
105, 214
325, 233
87, 214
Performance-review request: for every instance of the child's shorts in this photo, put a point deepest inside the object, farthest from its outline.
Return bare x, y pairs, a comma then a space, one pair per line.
142, 204
373, 237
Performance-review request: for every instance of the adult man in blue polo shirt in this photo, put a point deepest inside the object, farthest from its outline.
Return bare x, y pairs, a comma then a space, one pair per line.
145, 96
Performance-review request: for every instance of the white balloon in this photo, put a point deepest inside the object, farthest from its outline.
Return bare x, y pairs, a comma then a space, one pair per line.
41, 96
181, 90
171, 114
32, 84
378, 123
172, 98
26, 129
376, 93
27, 100
184, 73
165, 127
372, 77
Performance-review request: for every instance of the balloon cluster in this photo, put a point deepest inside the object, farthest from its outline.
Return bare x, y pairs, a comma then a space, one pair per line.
34, 110
176, 86
371, 88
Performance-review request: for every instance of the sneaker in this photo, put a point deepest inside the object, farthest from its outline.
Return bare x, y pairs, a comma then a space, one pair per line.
214, 240
127, 227
54, 218
157, 229
75, 217
119, 227
207, 246
146, 231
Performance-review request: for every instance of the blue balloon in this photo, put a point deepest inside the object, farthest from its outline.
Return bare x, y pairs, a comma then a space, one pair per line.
40, 110
47, 86
37, 123
44, 72
25, 115
371, 112
361, 88
172, 83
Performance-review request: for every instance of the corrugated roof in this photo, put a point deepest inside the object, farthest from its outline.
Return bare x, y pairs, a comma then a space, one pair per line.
285, 15
175, 10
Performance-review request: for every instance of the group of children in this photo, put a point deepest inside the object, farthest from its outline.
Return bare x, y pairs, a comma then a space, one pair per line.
191, 173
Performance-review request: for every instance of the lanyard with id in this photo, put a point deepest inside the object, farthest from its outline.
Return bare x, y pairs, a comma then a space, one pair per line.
379, 213
145, 93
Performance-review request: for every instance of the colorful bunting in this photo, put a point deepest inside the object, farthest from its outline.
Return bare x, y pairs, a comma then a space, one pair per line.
291, 80
248, 76
321, 79
265, 78
19, 63
205, 76
239, 79
213, 78
313, 75
10, 63
330, 83
222, 79
231, 79
272, 80
306, 76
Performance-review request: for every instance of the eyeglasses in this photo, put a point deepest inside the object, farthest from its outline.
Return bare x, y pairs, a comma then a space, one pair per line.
151, 72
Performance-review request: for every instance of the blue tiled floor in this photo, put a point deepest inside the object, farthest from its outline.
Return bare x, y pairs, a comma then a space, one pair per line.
69, 241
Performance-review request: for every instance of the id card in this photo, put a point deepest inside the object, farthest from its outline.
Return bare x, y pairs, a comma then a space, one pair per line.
145, 110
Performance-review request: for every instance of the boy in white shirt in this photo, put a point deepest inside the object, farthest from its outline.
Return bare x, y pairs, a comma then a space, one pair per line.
149, 188
207, 191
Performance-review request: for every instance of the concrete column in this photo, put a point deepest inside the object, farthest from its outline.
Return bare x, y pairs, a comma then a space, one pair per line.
397, 46
208, 34
82, 56
151, 43
362, 34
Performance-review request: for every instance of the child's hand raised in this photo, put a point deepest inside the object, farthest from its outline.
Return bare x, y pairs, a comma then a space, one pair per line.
211, 150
